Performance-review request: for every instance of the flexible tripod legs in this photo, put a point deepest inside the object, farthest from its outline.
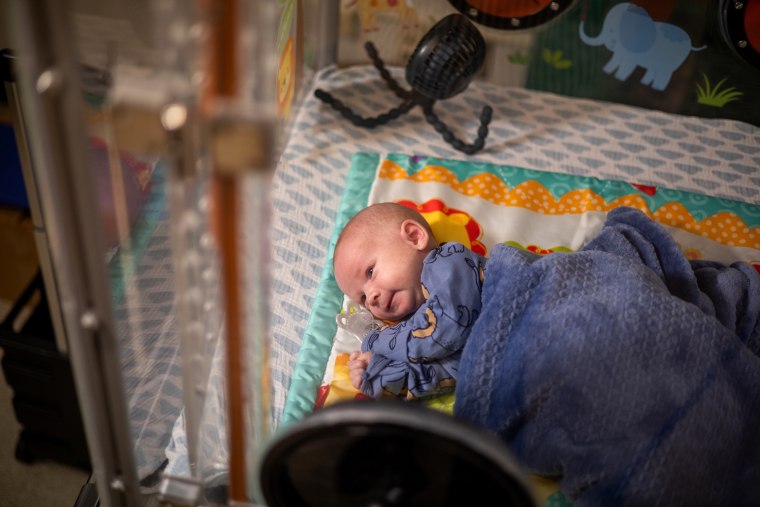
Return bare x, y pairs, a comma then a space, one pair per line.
410, 100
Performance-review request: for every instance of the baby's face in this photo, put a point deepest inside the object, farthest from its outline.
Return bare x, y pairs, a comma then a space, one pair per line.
381, 272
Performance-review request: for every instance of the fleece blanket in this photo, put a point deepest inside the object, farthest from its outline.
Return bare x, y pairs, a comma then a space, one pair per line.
625, 371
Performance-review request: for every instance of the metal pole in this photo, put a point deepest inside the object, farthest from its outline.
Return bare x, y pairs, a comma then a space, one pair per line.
329, 28
35, 205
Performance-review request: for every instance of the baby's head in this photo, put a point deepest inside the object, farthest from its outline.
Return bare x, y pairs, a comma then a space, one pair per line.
378, 259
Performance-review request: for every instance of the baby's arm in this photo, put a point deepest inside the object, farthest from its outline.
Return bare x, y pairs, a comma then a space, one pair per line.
357, 365
385, 376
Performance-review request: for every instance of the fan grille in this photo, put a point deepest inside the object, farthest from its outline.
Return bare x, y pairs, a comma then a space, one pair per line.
447, 58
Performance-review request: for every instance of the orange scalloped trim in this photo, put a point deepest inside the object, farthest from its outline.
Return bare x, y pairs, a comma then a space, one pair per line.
725, 228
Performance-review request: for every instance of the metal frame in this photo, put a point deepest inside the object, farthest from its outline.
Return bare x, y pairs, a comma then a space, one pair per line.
35, 206
54, 119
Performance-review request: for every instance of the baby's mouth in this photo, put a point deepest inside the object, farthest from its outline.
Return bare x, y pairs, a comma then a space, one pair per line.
388, 306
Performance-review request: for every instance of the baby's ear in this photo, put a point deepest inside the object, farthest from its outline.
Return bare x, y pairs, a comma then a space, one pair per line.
415, 234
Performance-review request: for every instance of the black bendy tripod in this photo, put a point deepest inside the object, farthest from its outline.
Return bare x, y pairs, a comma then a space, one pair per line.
443, 64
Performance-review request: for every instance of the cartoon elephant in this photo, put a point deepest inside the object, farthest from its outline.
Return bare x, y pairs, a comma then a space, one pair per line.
636, 40
369, 8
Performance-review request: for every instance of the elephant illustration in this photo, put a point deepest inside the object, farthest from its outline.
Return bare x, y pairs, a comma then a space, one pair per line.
637, 41
369, 8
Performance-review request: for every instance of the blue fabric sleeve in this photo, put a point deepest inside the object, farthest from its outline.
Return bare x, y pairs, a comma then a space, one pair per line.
421, 354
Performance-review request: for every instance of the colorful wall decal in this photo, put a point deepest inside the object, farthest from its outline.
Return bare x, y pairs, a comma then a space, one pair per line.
636, 40
289, 47
557, 59
700, 19
368, 9
716, 96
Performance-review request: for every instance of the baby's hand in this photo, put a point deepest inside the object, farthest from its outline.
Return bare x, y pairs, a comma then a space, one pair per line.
357, 364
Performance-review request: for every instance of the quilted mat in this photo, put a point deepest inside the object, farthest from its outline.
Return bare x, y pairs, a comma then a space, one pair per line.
480, 205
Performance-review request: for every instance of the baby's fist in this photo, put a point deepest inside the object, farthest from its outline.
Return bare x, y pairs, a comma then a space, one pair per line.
357, 365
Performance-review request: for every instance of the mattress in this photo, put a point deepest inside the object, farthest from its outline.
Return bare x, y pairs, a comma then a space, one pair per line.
531, 130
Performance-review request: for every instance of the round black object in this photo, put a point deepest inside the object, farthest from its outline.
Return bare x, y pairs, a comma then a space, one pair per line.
447, 58
740, 27
513, 14
365, 453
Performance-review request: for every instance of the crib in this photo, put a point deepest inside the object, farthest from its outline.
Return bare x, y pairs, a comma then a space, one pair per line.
193, 180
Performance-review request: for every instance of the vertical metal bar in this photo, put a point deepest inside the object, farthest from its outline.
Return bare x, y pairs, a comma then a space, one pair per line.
51, 95
228, 246
329, 29
182, 156
223, 83
35, 205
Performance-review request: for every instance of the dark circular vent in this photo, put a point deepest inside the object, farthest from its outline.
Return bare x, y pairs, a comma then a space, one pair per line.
447, 58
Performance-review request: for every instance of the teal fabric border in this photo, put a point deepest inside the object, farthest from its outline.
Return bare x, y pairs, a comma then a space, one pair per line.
700, 206
321, 326
153, 211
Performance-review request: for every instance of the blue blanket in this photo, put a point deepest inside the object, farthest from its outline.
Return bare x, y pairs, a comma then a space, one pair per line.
626, 372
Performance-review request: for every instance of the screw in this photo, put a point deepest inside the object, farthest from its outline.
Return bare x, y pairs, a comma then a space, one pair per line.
48, 81
89, 320
742, 44
118, 484
738, 5
174, 116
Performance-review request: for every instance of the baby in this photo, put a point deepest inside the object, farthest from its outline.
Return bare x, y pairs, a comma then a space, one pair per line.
387, 260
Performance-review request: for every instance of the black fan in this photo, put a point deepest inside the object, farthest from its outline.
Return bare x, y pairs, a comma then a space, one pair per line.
388, 454
442, 65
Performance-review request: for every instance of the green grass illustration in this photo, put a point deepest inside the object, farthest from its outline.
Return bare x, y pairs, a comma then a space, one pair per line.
714, 96
556, 59
519, 58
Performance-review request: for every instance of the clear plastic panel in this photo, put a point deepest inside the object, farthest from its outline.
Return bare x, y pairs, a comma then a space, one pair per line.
168, 300
213, 155
161, 104
160, 264
139, 74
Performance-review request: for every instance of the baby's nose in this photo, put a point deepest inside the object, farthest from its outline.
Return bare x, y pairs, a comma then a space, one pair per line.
373, 298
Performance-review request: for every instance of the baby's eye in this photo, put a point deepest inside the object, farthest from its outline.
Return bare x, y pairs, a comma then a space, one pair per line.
362, 299
370, 271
